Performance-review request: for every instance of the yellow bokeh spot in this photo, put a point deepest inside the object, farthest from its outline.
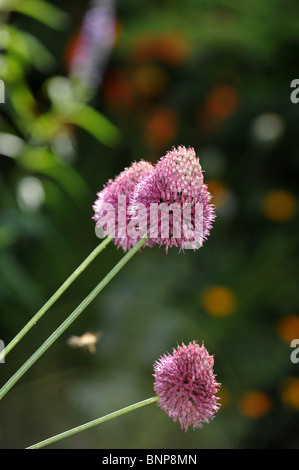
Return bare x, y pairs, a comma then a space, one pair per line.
288, 328
219, 301
290, 392
279, 205
255, 404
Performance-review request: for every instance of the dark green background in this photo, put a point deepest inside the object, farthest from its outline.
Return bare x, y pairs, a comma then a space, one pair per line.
250, 46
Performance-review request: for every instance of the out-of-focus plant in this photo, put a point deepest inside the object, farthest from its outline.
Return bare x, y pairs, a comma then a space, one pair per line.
44, 140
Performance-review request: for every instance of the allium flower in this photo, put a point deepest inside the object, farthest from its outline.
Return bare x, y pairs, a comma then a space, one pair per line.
176, 191
186, 385
111, 204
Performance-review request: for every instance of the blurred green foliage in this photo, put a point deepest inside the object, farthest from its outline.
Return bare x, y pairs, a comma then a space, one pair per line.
214, 75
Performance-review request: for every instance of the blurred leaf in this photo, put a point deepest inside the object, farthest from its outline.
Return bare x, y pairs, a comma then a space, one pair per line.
96, 124
27, 47
42, 160
39, 10
23, 101
41, 58
67, 110
45, 127
11, 70
38, 159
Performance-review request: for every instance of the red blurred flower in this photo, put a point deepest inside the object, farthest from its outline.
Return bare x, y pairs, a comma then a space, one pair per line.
221, 103
161, 127
172, 48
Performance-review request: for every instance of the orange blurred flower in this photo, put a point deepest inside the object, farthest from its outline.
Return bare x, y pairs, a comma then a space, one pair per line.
71, 48
221, 103
119, 29
172, 48
255, 404
279, 205
290, 392
288, 328
219, 301
161, 127
118, 90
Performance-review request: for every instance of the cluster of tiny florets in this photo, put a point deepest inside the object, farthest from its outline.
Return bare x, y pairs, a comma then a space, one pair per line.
175, 181
186, 385
179, 174
122, 186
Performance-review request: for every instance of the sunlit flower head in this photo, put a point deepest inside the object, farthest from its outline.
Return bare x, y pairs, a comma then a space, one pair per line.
176, 188
186, 385
116, 195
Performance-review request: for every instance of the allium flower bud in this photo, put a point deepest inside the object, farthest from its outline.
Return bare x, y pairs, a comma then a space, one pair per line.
111, 205
186, 385
177, 201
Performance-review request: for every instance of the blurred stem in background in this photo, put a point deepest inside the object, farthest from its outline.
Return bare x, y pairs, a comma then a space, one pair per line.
55, 297
21, 371
93, 46
95, 422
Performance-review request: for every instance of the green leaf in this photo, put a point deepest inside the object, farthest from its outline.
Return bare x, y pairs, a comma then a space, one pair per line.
38, 159
27, 47
39, 10
23, 102
42, 160
95, 123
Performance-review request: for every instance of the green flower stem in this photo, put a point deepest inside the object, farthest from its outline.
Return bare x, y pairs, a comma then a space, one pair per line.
54, 297
95, 422
21, 371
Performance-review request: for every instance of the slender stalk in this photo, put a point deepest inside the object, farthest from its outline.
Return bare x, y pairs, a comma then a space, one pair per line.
95, 422
54, 297
21, 371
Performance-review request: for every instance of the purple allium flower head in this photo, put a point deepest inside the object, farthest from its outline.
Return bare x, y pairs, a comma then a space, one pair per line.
115, 197
186, 385
177, 187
